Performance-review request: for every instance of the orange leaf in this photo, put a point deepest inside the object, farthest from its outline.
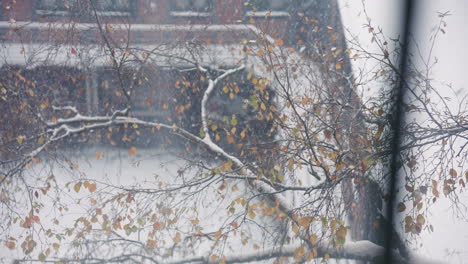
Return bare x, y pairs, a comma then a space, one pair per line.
92, 187
151, 243
279, 42
132, 151
10, 244
304, 222
177, 238
217, 235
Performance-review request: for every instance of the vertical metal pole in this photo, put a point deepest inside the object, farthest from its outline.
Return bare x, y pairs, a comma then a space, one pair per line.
407, 19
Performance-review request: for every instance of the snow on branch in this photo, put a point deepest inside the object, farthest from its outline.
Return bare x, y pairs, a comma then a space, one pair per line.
211, 86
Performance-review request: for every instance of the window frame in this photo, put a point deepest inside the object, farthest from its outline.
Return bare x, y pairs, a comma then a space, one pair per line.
62, 10
266, 12
174, 12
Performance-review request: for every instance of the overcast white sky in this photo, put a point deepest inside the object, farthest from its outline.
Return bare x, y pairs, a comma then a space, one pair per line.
449, 242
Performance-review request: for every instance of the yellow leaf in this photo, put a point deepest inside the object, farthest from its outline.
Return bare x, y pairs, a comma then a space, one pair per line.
252, 214
299, 253
231, 96
132, 151
263, 106
251, 20
77, 187
217, 137
313, 239
20, 139
40, 140
249, 76
225, 89
260, 53
226, 166
230, 139
97, 155
295, 229
242, 134
56, 246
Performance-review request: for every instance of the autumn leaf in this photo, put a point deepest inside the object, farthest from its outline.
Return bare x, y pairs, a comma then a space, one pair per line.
420, 220
453, 173
10, 245
132, 151
242, 134
20, 139
401, 207
42, 257
313, 239
299, 253
279, 42
177, 238
151, 243
77, 187
217, 235
411, 164
304, 222
252, 214
92, 187
260, 53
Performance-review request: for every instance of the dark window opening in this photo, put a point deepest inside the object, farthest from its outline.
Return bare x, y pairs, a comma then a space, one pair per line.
270, 8
103, 7
191, 7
